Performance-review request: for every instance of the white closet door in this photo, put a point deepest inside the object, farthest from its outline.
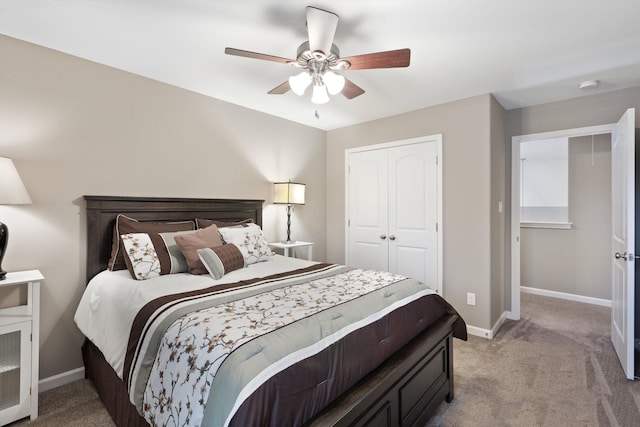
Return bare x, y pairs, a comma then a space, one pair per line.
368, 186
413, 212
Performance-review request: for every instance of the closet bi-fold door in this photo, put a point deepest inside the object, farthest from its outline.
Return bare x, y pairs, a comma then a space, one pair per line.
413, 212
392, 211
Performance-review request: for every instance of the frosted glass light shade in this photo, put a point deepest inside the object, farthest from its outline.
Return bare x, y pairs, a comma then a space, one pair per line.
288, 193
300, 82
320, 95
12, 190
334, 82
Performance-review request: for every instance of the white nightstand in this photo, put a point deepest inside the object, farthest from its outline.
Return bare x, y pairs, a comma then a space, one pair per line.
19, 350
294, 245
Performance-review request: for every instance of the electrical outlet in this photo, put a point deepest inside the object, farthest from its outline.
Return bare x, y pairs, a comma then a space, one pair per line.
471, 298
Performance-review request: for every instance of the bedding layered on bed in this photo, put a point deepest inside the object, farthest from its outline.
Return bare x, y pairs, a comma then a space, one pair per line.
270, 344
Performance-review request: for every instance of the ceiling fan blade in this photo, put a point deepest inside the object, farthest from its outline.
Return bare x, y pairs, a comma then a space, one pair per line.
255, 55
351, 90
321, 26
280, 89
388, 59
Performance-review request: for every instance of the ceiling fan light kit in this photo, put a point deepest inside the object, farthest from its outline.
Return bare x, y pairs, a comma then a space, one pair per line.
320, 95
319, 58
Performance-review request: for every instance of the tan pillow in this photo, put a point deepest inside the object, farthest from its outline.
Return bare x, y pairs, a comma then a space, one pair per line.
127, 225
190, 243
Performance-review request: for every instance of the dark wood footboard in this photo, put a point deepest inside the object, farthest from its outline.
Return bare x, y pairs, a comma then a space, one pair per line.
406, 390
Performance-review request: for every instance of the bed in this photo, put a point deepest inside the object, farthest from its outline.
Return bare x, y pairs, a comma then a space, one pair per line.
394, 372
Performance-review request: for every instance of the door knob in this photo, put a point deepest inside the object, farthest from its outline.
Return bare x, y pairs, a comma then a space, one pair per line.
392, 237
383, 236
618, 255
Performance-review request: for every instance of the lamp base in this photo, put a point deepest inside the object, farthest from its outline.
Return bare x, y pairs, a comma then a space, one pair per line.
4, 237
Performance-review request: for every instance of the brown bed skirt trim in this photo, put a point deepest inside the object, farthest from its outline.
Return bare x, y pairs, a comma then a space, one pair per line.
110, 387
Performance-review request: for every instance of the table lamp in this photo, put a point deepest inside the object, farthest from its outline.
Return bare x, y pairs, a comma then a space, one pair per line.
12, 192
288, 193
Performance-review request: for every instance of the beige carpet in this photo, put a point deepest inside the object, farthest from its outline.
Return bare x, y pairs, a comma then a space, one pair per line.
555, 367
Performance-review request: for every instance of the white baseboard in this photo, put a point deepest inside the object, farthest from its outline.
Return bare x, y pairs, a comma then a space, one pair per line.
478, 332
487, 333
60, 379
570, 297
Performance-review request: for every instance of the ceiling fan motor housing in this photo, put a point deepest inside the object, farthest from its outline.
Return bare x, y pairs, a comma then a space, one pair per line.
306, 57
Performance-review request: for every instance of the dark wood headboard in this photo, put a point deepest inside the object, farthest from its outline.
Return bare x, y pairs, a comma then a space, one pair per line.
102, 212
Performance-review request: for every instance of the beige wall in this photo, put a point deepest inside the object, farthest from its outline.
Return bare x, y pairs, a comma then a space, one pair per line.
466, 127
74, 127
576, 261
497, 209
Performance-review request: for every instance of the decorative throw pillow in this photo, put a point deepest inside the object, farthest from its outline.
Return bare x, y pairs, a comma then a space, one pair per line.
203, 223
127, 225
251, 241
153, 254
189, 244
178, 261
221, 260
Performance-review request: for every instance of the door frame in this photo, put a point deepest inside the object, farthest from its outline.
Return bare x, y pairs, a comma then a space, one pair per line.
437, 139
514, 314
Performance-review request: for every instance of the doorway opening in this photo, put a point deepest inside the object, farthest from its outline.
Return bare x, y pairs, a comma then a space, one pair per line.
516, 189
623, 301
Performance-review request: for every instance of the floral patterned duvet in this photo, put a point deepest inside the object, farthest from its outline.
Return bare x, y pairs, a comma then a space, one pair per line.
272, 350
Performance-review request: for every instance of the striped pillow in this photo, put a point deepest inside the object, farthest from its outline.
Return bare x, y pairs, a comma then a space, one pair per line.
153, 254
222, 259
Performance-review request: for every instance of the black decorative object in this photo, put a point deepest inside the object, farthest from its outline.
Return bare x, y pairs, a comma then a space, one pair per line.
4, 238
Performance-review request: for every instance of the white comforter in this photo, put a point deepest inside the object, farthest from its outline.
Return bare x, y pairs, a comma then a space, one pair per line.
112, 299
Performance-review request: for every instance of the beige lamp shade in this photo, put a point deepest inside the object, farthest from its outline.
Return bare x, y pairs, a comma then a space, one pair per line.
288, 193
12, 190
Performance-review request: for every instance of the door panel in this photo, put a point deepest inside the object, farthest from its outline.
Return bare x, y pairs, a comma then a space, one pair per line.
413, 211
623, 235
367, 210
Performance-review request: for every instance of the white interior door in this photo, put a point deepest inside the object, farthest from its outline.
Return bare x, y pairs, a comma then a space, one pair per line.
623, 240
367, 213
413, 212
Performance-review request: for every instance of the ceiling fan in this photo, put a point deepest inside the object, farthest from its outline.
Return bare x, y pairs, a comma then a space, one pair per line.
319, 58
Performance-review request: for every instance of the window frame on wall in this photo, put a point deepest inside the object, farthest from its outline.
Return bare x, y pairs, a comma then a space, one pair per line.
544, 183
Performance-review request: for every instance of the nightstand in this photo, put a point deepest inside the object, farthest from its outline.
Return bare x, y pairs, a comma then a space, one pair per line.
19, 350
293, 245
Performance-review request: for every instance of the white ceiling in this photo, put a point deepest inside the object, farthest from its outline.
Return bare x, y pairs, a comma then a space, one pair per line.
525, 52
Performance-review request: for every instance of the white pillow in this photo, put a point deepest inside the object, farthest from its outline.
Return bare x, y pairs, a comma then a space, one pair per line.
250, 241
